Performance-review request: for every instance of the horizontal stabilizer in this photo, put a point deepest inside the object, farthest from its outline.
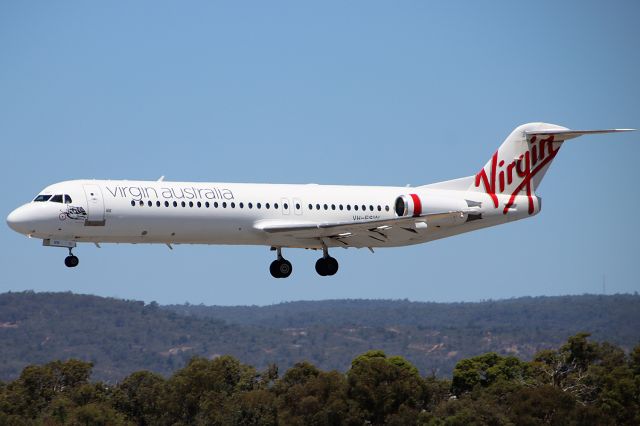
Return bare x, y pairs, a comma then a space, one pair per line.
562, 135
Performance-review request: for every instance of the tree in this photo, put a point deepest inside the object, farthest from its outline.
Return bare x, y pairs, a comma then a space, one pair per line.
307, 396
204, 385
567, 367
138, 397
487, 369
39, 384
380, 385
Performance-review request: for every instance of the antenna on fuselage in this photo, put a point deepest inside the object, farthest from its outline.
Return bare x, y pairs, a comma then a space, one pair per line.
161, 178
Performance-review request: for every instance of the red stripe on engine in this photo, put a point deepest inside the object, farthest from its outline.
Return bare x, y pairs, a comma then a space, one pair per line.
417, 205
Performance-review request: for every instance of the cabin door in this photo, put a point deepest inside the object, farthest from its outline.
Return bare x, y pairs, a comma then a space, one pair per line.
95, 205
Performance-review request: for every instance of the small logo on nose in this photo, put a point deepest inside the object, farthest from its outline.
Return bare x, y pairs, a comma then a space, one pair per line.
74, 213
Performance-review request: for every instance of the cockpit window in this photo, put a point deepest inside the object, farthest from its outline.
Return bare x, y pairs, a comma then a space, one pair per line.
67, 199
56, 198
42, 197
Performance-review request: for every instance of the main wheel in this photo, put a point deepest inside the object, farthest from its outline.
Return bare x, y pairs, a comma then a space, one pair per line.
321, 267
274, 268
71, 261
332, 265
280, 268
285, 268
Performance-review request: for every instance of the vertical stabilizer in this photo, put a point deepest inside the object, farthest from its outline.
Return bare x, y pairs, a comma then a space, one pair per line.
518, 166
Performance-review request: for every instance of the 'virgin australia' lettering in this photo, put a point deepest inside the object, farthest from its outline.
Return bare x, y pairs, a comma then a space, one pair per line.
189, 193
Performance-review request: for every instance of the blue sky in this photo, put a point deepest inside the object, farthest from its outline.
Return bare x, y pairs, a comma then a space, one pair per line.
380, 93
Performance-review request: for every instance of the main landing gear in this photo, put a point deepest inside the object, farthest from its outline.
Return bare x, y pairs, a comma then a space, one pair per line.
325, 266
281, 267
71, 261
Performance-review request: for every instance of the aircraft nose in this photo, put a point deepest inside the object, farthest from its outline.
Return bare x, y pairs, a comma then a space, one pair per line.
18, 220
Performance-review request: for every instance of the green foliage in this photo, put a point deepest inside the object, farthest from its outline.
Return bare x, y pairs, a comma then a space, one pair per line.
599, 385
120, 336
138, 397
484, 370
307, 396
381, 385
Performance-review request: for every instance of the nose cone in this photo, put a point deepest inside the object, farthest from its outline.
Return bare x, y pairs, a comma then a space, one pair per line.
19, 220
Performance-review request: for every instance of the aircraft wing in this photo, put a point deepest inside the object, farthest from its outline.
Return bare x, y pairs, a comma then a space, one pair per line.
356, 233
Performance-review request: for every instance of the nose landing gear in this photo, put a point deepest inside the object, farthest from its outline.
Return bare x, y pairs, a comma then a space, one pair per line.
71, 261
281, 267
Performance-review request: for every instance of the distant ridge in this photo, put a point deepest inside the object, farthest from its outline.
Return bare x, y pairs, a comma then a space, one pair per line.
121, 336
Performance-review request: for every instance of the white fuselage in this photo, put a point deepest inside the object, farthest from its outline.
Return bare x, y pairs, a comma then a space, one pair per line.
234, 213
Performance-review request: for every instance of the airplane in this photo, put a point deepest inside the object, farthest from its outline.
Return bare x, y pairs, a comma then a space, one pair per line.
310, 216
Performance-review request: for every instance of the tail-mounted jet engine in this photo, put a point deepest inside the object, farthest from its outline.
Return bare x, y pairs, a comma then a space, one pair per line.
429, 203
408, 205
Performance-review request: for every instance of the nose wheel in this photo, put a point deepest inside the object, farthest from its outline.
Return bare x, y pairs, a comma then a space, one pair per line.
326, 265
71, 261
281, 267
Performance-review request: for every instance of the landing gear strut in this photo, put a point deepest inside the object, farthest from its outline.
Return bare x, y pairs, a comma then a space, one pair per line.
71, 261
326, 265
281, 267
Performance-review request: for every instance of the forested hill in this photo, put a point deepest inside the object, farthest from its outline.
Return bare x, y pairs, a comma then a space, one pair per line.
120, 336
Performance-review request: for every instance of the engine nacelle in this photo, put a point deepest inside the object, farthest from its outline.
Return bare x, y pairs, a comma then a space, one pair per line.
408, 205
429, 202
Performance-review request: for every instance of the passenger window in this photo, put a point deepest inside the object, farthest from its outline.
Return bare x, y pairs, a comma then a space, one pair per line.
206, 204
333, 206
133, 203
258, 206
275, 206
326, 207
56, 199
199, 204
364, 208
250, 205
286, 206
233, 205
157, 203
183, 204
166, 204
190, 203
371, 208
67, 199
349, 207
310, 206
241, 205
386, 208
224, 205
317, 206
340, 206
175, 204
297, 206
215, 204
379, 208
141, 203
355, 207
149, 203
